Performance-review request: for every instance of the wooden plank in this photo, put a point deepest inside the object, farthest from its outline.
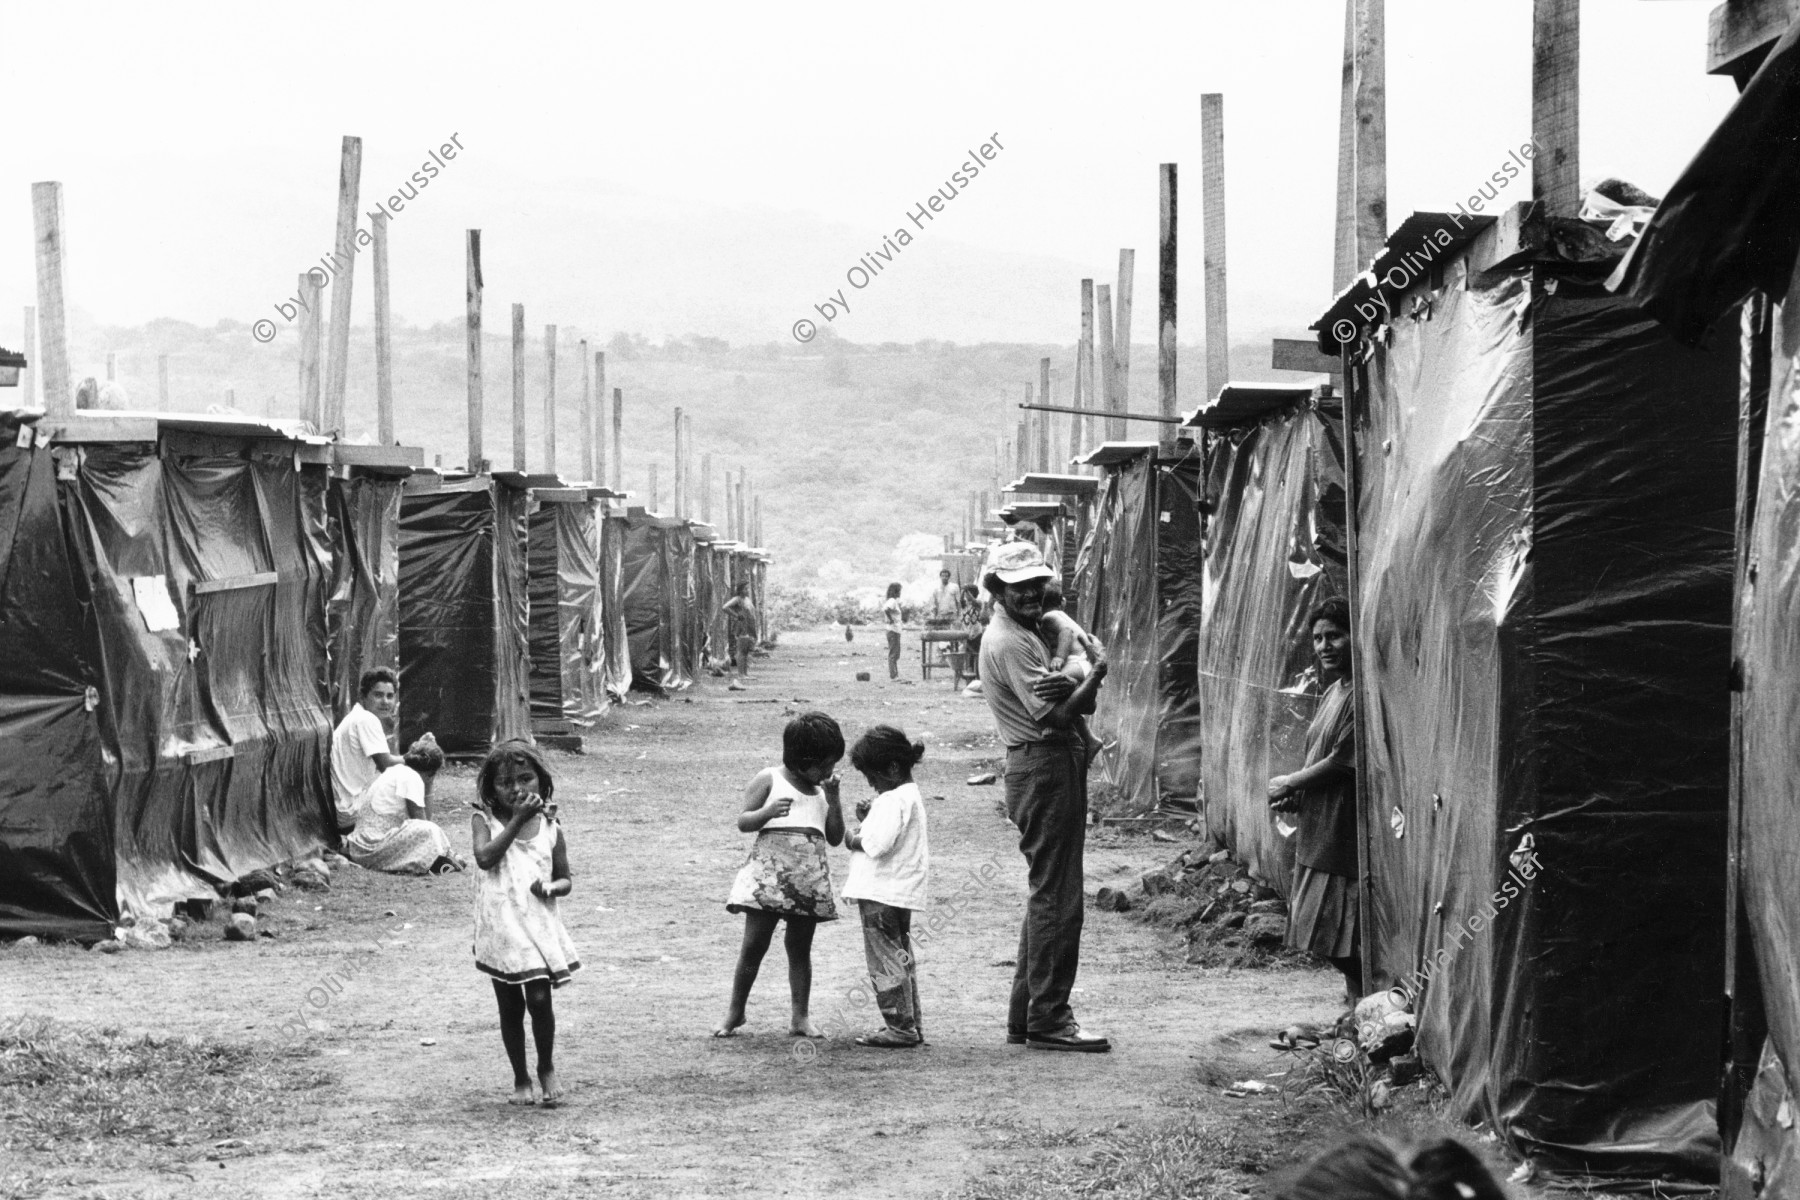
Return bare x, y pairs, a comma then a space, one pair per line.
1371, 129
215, 754
599, 476
311, 334
1087, 393
561, 495
550, 399
1122, 330
1043, 450
83, 428
53, 331
1300, 354
1556, 105
384, 349
344, 454
1167, 211
1108, 369
518, 386
472, 344
1740, 34
234, 583
587, 413
654, 502
676, 503
1212, 206
337, 362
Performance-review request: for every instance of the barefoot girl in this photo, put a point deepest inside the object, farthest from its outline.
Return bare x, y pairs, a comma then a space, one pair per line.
888, 863
519, 937
793, 811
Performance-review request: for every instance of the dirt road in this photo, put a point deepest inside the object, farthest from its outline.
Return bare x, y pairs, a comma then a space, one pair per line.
656, 1107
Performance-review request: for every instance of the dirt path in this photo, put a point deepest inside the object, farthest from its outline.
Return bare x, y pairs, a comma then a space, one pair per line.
656, 1107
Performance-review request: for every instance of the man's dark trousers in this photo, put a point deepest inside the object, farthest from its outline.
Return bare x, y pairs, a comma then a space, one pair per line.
1046, 797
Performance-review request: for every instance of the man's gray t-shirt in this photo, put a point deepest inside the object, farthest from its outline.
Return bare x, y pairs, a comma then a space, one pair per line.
1012, 659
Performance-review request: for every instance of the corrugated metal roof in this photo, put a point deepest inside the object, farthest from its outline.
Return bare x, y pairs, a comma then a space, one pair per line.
1054, 485
1422, 241
1107, 453
1246, 404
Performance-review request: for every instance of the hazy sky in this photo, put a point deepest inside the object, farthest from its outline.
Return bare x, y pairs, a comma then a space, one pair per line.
198, 144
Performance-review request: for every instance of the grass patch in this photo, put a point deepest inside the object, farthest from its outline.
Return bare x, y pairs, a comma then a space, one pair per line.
1181, 1160
76, 1100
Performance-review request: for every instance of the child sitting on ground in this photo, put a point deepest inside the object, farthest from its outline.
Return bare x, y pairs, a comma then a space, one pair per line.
889, 861
1073, 651
793, 811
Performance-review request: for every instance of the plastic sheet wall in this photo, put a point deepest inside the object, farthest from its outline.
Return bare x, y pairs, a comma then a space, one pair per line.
57, 865
1140, 594
363, 614
655, 573
1543, 583
567, 634
464, 615
1273, 550
615, 638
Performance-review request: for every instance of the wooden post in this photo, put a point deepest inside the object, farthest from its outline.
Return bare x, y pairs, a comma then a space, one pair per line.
1165, 295
618, 440
706, 488
599, 475
587, 414
1044, 429
384, 347
337, 364
743, 487
756, 520
549, 399
518, 386
472, 336
1087, 394
28, 347
53, 331
1122, 332
1556, 105
680, 512
687, 467
1022, 442
162, 382
312, 327
1115, 428
1371, 130
231, 398
1212, 209
654, 504
730, 511
111, 366
1344, 264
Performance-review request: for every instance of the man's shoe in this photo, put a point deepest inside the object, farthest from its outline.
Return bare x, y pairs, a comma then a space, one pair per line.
1016, 1039
1069, 1039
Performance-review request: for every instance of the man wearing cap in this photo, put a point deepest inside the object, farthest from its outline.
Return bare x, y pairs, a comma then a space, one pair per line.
1035, 711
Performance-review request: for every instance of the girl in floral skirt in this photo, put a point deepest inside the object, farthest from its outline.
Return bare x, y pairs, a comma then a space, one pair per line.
793, 811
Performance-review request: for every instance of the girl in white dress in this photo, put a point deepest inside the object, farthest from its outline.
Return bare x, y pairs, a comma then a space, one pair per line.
523, 866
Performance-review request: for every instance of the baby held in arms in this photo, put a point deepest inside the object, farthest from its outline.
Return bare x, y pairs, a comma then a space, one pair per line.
1073, 652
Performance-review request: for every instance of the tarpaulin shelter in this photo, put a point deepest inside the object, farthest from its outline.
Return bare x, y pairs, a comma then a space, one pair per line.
464, 611
1139, 587
1069, 502
163, 665
615, 638
1541, 567
656, 594
566, 613
1729, 233
708, 596
363, 518
1273, 498
727, 572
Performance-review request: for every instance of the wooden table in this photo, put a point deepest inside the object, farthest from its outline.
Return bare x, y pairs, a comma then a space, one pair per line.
955, 652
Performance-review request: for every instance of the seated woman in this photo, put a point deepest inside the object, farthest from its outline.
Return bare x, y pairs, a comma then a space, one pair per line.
394, 829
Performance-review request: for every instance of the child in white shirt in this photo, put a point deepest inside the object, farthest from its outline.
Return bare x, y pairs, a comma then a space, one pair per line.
889, 861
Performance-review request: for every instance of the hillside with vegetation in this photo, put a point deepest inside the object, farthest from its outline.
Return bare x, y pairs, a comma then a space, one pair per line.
863, 455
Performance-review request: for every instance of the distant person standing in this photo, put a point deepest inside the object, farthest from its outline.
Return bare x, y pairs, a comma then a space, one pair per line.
359, 744
1036, 712
890, 613
740, 632
945, 603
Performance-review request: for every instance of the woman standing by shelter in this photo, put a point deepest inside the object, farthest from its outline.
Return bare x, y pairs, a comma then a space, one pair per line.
1323, 901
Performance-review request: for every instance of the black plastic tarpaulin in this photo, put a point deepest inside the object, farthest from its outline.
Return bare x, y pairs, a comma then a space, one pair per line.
364, 610
567, 622
464, 612
1273, 549
654, 573
1141, 598
57, 865
1542, 599
615, 637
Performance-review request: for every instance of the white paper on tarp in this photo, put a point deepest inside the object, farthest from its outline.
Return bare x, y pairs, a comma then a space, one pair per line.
154, 605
